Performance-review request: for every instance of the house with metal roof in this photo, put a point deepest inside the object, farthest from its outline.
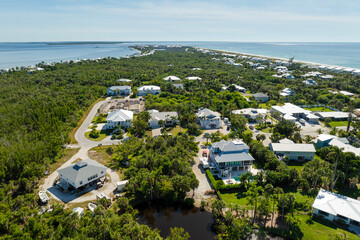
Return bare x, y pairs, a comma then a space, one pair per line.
325, 140
168, 118
334, 116
333, 207
295, 151
230, 156
148, 89
252, 114
119, 90
208, 119
261, 97
292, 112
120, 117
81, 174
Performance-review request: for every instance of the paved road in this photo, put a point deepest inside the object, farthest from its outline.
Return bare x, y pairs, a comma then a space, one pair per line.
85, 145
204, 184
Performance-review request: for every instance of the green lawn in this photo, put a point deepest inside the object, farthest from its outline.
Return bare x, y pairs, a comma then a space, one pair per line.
297, 165
266, 130
234, 197
103, 134
176, 130
338, 123
319, 229
319, 109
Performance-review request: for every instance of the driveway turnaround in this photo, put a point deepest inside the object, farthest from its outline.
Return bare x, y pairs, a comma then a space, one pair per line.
85, 145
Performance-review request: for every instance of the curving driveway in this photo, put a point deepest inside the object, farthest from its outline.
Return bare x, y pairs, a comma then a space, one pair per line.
85, 145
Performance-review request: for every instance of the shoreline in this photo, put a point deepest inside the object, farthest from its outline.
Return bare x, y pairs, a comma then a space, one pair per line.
278, 58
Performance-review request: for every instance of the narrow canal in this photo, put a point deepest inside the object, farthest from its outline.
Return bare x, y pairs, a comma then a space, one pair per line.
197, 223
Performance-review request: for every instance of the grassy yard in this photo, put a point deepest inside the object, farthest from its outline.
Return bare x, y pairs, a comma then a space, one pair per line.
319, 229
68, 154
297, 165
234, 197
176, 130
338, 123
319, 109
103, 134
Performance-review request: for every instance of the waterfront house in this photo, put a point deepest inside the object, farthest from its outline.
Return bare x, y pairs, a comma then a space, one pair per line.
81, 174
294, 151
168, 118
261, 97
336, 207
208, 119
119, 117
148, 89
119, 90
230, 156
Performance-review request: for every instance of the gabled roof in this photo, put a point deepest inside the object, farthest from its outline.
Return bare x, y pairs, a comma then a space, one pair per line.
81, 170
124, 80
207, 113
296, 147
260, 95
230, 146
336, 204
120, 116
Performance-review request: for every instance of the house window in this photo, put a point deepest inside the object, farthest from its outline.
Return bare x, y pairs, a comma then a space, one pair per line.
80, 182
342, 217
323, 213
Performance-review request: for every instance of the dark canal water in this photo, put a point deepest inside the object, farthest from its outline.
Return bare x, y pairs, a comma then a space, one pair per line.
197, 223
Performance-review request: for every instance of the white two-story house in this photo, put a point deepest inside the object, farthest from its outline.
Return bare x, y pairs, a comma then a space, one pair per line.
120, 117
208, 119
148, 89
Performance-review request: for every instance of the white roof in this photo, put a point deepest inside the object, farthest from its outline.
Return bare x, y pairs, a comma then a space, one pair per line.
123, 80
148, 87
78, 210
193, 78
289, 117
290, 109
346, 93
250, 111
120, 116
312, 116
336, 204
295, 147
333, 114
173, 78
345, 147
325, 137
286, 141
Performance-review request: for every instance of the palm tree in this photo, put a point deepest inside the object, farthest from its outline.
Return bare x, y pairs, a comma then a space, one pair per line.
275, 197
351, 110
207, 136
337, 154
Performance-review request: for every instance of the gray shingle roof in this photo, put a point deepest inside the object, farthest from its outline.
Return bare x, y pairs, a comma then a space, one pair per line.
81, 170
230, 146
234, 157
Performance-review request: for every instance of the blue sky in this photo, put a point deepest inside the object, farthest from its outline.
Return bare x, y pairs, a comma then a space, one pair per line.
170, 20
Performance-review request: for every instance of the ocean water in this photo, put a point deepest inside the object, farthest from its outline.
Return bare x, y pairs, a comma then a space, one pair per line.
24, 54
